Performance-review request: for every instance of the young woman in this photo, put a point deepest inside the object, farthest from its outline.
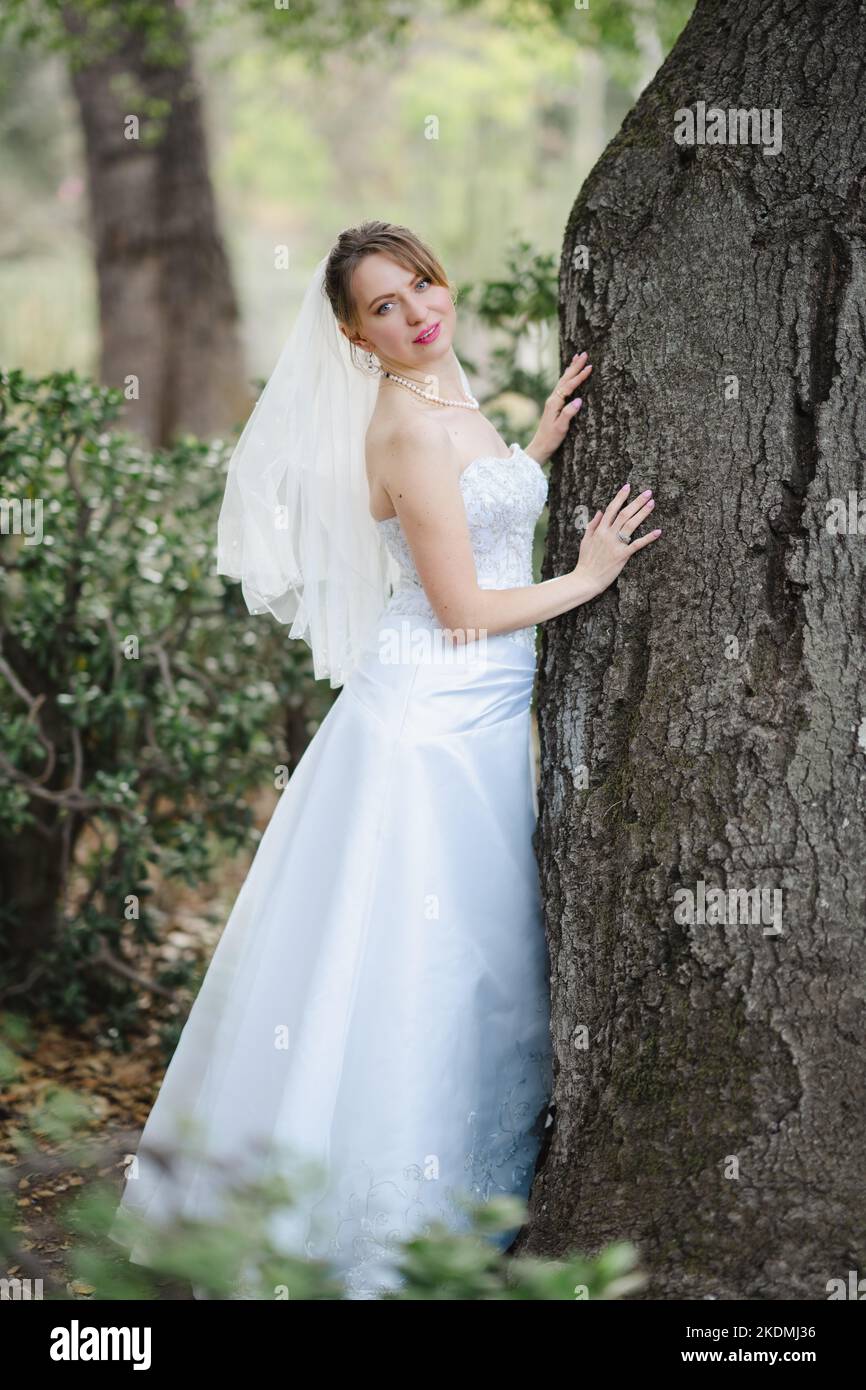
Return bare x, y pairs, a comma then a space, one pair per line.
378, 1003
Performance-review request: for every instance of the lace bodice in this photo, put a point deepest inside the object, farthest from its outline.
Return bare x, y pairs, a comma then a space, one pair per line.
503, 498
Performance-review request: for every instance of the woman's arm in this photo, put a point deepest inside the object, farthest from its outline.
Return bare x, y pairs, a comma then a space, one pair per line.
421, 475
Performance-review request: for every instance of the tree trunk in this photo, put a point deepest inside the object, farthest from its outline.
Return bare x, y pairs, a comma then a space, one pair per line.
168, 314
702, 722
31, 884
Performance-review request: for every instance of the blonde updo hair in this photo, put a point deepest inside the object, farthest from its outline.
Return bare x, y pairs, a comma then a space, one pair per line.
353, 244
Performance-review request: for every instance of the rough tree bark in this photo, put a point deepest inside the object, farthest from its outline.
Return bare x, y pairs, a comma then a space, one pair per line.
167, 307
703, 720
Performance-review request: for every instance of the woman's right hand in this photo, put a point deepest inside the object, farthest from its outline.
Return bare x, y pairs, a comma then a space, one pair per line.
602, 553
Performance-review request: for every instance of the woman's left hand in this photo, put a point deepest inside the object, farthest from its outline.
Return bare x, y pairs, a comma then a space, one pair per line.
559, 411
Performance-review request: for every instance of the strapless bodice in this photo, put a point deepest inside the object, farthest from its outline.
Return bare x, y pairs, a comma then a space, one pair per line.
503, 498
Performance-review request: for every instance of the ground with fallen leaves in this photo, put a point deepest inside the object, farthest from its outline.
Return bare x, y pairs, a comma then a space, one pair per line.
117, 1088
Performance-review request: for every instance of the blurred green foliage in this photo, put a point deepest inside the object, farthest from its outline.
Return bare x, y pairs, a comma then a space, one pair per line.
140, 702
89, 28
469, 122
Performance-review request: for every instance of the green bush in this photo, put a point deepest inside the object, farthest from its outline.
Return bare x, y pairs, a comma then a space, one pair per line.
140, 702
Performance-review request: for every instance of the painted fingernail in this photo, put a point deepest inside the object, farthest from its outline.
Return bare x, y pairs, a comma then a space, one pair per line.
578, 403
648, 493
625, 487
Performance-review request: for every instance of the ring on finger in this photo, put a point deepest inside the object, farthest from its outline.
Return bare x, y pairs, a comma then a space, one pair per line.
626, 540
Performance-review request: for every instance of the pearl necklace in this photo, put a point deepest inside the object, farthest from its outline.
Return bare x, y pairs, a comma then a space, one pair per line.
471, 404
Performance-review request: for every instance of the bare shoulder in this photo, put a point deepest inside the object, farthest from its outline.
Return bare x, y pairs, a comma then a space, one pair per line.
401, 443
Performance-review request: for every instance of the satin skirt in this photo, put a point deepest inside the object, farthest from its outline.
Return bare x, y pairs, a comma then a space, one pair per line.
377, 1006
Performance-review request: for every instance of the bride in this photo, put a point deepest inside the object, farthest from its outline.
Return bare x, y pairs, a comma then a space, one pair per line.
378, 1002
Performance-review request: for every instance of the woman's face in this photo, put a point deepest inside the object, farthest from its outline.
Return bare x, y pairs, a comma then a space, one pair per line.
396, 305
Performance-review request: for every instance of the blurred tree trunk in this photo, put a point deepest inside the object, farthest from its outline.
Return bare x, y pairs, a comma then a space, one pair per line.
702, 723
168, 314
34, 865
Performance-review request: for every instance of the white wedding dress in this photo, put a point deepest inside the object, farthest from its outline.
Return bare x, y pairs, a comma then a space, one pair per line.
378, 1001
